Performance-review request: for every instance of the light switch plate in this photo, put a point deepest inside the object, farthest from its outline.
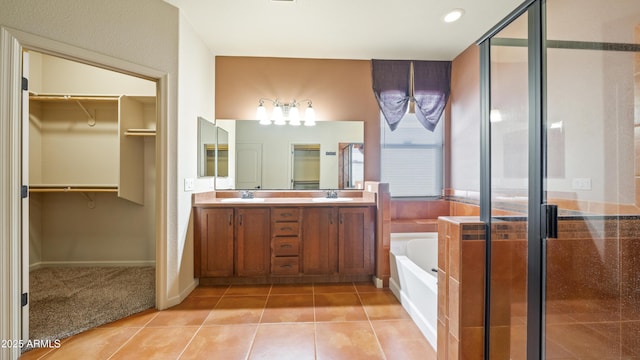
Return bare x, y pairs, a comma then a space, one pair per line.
581, 184
189, 184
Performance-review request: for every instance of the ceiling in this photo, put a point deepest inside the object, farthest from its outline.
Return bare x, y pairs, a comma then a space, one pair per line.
342, 29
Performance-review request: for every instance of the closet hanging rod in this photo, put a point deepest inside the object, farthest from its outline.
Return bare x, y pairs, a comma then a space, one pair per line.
33, 96
83, 189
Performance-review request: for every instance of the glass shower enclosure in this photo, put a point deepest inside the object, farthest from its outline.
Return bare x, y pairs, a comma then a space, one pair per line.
561, 196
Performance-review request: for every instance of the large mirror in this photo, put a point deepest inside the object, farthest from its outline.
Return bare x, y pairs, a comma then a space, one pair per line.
206, 148
329, 155
213, 150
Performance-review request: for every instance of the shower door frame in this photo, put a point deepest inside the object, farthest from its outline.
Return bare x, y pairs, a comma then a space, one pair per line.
539, 216
535, 259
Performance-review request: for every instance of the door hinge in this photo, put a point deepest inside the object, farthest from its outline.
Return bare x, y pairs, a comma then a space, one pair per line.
25, 84
549, 221
24, 299
24, 191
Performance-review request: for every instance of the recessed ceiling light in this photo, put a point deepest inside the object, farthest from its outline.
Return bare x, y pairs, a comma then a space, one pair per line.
453, 15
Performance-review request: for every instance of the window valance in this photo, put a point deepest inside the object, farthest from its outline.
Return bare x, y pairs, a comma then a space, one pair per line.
397, 82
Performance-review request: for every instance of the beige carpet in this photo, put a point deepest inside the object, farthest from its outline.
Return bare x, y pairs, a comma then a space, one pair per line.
64, 301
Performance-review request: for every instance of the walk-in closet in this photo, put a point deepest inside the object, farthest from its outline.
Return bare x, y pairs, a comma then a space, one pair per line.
91, 160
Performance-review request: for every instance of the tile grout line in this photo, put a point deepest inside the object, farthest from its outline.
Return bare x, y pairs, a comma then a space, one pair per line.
190, 341
253, 341
200, 327
375, 334
126, 342
136, 333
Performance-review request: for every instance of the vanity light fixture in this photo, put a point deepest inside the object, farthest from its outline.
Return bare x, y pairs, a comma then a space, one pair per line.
283, 112
453, 15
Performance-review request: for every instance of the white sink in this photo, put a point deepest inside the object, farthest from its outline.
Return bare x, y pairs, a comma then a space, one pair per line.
240, 200
319, 199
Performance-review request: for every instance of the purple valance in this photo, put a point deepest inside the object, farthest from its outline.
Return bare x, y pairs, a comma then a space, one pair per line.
392, 88
431, 88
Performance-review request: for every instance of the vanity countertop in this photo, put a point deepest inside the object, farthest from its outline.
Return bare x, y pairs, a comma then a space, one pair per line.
227, 199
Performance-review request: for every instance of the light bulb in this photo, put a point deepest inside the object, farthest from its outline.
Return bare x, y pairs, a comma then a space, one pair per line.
294, 115
277, 116
309, 116
261, 114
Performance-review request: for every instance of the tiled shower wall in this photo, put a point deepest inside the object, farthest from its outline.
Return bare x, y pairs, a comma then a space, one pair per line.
593, 289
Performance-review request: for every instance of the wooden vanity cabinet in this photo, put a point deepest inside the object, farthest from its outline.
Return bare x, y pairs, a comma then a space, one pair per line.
218, 253
338, 240
253, 231
355, 240
285, 241
214, 242
329, 241
320, 241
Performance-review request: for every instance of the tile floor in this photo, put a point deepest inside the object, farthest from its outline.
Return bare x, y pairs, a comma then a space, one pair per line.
319, 321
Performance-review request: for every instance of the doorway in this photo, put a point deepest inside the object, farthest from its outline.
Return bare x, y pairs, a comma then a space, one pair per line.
305, 166
89, 160
249, 175
562, 265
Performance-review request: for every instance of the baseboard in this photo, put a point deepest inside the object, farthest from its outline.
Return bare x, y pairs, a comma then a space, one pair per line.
184, 293
91, 263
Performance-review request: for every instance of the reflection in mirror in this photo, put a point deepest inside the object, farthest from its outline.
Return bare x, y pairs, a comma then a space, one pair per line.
265, 155
351, 166
306, 167
206, 147
222, 155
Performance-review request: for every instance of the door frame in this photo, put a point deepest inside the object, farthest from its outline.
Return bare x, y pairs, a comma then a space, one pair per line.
12, 43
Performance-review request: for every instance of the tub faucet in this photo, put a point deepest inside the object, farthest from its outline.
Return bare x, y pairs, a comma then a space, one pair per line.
332, 194
246, 194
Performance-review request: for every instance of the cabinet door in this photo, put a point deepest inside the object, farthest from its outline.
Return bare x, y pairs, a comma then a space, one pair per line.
214, 242
355, 238
320, 241
253, 241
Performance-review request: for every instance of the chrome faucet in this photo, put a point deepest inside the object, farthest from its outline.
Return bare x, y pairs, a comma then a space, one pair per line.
332, 194
246, 194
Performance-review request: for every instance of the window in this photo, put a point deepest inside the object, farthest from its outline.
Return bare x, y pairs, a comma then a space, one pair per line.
411, 158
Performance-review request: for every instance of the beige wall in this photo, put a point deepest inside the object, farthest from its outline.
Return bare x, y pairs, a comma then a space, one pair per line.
339, 89
151, 36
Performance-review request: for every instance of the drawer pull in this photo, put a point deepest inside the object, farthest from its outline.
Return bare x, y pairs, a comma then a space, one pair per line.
287, 266
286, 246
286, 214
286, 228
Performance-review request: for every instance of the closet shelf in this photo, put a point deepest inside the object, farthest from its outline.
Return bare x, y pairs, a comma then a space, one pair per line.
140, 132
71, 98
73, 188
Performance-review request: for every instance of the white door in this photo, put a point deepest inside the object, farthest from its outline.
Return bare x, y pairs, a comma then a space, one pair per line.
25, 199
248, 166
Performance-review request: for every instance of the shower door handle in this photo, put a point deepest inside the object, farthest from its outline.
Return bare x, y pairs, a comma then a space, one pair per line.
549, 221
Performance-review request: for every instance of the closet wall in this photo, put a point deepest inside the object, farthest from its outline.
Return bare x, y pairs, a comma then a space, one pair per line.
81, 144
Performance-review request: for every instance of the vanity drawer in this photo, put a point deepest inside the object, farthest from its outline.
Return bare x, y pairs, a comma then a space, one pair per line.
285, 246
285, 229
285, 214
285, 265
